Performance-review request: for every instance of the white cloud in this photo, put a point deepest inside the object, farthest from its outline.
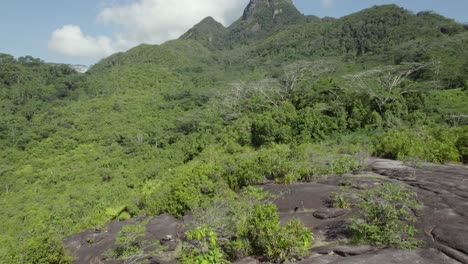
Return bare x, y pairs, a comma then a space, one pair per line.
70, 41
142, 21
327, 3
155, 21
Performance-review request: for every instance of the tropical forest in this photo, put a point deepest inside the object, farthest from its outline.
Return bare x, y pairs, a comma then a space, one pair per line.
282, 138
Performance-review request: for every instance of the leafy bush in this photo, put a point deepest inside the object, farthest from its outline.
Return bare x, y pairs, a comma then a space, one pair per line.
343, 165
203, 248
339, 201
291, 240
45, 248
245, 225
462, 144
274, 126
385, 217
128, 242
131, 245
118, 213
181, 190
434, 145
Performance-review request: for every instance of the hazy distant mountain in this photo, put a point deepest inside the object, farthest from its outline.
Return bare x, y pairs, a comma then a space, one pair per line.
79, 67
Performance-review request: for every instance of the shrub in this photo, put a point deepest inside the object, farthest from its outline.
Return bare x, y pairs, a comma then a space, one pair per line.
45, 248
434, 145
385, 217
338, 201
275, 162
131, 245
118, 213
462, 144
242, 169
246, 225
273, 126
181, 190
203, 248
128, 243
344, 164
291, 240
269, 239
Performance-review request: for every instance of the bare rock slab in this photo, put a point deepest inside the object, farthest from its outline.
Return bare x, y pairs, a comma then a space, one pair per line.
344, 250
326, 259
454, 236
327, 213
393, 256
300, 197
248, 260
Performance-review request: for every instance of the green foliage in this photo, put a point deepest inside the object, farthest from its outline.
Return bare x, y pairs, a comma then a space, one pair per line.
44, 248
450, 105
128, 241
434, 145
203, 248
120, 213
462, 144
386, 217
246, 225
273, 126
339, 201
277, 243
216, 169
174, 126
314, 124
131, 245
208, 32
258, 21
343, 165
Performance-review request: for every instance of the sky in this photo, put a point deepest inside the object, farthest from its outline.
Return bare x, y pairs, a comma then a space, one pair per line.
85, 31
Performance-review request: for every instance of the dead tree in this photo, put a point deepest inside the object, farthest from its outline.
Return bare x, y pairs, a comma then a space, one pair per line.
383, 84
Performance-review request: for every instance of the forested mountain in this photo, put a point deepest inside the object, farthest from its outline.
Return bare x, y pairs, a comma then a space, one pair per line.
276, 96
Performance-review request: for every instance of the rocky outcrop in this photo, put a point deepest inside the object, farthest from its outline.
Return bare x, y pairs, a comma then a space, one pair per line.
442, 220
392, 256
91, 246
261, 17
255, 8
343, 250
327, 213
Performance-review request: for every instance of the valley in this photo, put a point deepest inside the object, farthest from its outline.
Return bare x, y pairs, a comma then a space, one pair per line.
199, 150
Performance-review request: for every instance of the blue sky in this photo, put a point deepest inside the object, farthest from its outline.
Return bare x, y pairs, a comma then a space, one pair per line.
83, 31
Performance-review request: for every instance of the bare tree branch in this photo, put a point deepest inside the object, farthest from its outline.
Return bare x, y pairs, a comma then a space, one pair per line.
383, 84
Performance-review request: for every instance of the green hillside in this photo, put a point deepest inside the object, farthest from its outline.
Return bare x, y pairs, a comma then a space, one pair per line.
277, 96
209, 32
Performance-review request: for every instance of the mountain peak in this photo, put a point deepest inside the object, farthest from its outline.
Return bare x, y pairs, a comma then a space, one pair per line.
273, 6
264, 16
269, 9
209, 20
208, 32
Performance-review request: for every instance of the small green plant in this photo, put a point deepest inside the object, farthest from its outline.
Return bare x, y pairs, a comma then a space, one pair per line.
339, 165
203, 247
386, 216
345, 164
245, 225
291, 240
44, 248
339, 201
287, 179
118, 213
462, 144
131, 245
